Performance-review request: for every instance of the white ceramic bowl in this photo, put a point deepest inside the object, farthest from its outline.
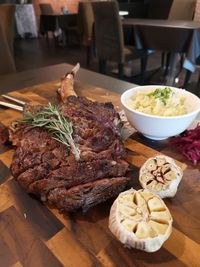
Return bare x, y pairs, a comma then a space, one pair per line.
160, 127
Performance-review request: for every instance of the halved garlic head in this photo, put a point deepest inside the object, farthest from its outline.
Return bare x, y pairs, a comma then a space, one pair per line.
161, 176
140, 219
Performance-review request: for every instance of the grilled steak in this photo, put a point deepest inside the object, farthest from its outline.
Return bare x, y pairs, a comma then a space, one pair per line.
44, 167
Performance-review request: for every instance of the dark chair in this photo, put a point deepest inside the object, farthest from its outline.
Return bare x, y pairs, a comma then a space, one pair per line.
48, 20
158, 9
48, 23
189, 74
182, 10
86, 22
7, 22
46, 9
7, 64
69, 25
109, 39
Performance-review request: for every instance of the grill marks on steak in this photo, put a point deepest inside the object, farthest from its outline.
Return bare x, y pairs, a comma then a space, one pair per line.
44, 167
68, 176
81, 107
93, 121
37, 147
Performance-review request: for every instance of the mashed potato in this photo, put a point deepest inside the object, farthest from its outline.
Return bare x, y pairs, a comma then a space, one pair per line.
161, 102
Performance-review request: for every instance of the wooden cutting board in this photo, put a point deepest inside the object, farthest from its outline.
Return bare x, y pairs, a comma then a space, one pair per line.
34, 235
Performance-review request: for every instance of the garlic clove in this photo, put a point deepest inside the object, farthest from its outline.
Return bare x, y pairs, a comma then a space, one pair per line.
159, 228
154, 204
171, 175
138, 199
129, 225
163, 216
144, 230
151, 165
127, 210
160, 161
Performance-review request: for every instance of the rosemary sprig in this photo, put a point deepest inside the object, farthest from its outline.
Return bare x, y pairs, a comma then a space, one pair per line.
51, 118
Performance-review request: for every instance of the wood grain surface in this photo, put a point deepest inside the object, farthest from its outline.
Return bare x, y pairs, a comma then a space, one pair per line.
35, 235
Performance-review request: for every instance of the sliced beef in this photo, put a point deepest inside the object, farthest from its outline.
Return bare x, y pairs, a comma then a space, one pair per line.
32, 174
68, 177
85, 196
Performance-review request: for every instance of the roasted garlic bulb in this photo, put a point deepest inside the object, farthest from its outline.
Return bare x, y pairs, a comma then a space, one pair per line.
140, 219
161, 176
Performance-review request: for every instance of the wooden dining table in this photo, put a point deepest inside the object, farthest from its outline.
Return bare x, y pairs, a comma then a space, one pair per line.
172, 36
34, 234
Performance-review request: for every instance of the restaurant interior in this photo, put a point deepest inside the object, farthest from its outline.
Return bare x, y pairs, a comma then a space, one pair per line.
43, 32
99, 141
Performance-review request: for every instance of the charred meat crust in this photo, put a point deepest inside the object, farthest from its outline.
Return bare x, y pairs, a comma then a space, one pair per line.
44, 167
87, 195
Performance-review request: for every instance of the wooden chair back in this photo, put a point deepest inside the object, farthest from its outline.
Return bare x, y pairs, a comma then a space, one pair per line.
86, 22
109, 40
182, 10
158, 9
7, 22
7, 64
46, 9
